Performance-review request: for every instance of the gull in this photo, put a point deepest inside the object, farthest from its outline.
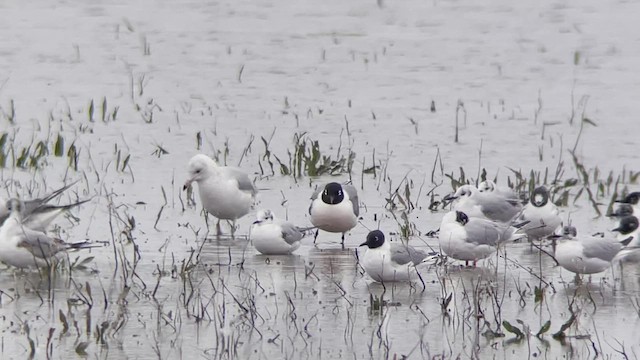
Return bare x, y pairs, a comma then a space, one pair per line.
471, 239
629, 205
628, 227
226, 192
588, 255
385, 262
37, 214
542, 214
272, 236
484, 204
334, 208
489, 186
23, 247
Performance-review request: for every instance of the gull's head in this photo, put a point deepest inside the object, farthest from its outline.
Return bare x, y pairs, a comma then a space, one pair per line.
15, 206
487, 186
540, 196
569, 232
375, 239
623, 210
627, 225
200, 167
332, 194
263, 215
465, 191
461, 218
462, 192
632, 198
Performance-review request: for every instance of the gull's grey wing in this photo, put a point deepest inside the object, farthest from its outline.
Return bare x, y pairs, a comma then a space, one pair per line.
244, 183
498, 208
38, 243
403, 254
353, 196
291, 233
484, 232
600, 248
314, 196
316, 192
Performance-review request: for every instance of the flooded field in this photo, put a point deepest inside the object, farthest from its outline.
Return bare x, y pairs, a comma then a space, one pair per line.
406, 100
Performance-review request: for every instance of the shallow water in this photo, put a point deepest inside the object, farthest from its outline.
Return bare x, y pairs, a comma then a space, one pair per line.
352, 75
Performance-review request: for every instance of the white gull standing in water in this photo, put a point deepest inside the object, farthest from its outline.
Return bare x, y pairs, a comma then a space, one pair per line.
335, 208
226, 192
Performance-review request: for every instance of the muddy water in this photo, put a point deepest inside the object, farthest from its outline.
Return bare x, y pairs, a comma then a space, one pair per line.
352, 75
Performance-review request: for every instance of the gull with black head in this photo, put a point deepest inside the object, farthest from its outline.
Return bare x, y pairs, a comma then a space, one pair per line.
386, 261
543, 215
628, 205
334, 208
629, 227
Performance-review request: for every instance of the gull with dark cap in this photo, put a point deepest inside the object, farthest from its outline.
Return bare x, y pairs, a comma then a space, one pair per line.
543, 215
629, 205
23, 247
335, 208
226, 192
485, 205
272, 236
587, 254
386, 261
628, 227
471, 239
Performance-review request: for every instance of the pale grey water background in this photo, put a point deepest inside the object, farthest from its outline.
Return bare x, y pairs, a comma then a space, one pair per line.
306, 67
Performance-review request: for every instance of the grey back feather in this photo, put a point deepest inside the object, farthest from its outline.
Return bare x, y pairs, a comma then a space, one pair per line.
600, 248
500, 209
314, 196
291, 233
403, 254
38, 243
244, 183
485, 232
353, 196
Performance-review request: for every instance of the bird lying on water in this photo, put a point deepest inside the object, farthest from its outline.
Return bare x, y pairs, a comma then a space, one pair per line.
272, 236
23, 247
335, 208
226, 192
385, 262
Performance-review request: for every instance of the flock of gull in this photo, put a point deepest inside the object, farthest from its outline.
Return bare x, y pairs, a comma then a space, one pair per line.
481, 220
